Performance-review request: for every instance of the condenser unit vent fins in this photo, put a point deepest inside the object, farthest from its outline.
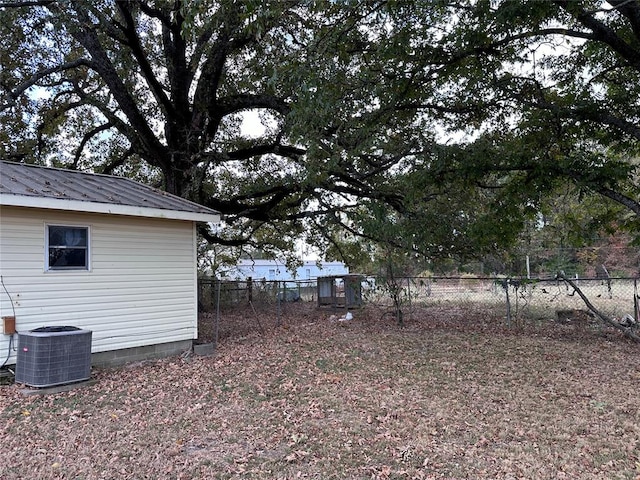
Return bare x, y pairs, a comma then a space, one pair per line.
56, 355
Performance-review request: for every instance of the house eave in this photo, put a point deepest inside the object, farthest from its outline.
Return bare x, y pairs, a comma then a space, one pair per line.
104, 208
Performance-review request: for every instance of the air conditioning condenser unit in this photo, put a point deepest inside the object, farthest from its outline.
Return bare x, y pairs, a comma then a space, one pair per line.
55, 355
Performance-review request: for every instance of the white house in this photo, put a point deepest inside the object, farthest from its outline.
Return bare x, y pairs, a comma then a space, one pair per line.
276, 270
101, 253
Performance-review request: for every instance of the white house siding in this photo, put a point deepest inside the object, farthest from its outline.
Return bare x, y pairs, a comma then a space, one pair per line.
274, 270
141, 288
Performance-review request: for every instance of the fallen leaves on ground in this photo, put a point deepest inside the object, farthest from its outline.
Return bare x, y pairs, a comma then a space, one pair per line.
454, 394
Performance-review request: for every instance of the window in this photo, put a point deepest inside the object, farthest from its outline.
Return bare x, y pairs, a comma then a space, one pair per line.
67, 248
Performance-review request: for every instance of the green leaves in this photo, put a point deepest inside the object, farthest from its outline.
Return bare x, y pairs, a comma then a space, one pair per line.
437, 128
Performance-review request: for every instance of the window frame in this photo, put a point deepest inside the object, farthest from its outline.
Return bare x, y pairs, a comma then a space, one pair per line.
86, 267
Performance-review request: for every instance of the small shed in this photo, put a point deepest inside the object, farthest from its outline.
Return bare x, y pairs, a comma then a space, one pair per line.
340, 291
101, 253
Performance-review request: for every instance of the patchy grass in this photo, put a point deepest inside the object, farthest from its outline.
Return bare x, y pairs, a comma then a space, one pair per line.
452, 395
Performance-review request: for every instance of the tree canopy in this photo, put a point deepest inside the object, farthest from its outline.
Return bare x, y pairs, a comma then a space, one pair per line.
538, 97
436, 127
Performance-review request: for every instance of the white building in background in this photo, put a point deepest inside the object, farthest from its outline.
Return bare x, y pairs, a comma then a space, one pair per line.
275, 270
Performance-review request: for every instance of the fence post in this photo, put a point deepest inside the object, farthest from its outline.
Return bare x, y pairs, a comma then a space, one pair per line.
506, 289
250, 289
278, 303
636, 307
215, 344
212, 290
410, 299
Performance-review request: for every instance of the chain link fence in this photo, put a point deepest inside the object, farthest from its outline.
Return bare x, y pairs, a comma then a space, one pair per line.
521, 299
239, 307
236, 308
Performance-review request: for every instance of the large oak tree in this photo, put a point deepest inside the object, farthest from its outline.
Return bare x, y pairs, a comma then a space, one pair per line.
436, 127
159, 89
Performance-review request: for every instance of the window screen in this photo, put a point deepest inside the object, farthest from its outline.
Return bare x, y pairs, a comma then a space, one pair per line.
68, 248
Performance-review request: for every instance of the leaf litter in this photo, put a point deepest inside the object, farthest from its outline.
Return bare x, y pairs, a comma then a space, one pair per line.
450, 396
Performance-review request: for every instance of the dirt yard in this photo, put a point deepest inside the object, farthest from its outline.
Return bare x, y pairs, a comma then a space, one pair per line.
454, 395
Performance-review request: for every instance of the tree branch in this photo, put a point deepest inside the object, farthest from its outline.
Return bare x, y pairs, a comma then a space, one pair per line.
178, 73
205, 232
236, 103
157, 13
130, 33
102, 64
276, 149
88, 136
126, 130
627, 331
631, 10
118, 162
618, 197
601, 31
20, 89
27, 3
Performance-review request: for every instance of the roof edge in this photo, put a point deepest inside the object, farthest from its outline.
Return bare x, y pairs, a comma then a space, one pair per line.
13, 200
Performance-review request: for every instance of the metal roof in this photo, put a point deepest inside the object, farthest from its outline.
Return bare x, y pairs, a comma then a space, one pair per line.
55, 188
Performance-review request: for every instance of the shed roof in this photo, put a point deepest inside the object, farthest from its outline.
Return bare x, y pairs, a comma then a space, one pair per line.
54, 188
